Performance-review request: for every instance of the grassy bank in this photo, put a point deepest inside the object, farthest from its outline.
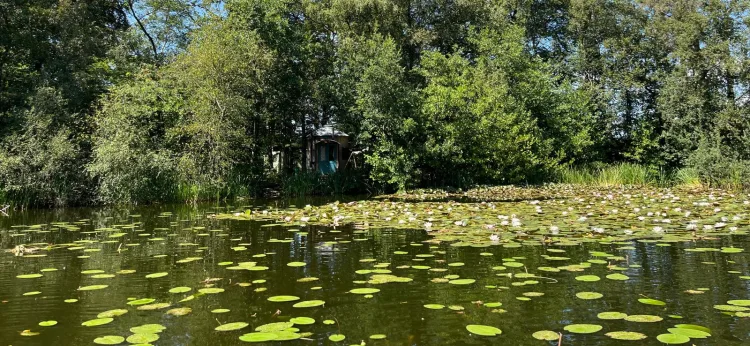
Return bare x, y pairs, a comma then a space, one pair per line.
731, 177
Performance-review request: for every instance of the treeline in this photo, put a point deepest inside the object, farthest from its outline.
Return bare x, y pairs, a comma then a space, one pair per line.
111, 101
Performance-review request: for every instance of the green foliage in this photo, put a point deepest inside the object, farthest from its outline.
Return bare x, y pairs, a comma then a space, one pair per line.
141, 101
132, 157
310, 183
718, 166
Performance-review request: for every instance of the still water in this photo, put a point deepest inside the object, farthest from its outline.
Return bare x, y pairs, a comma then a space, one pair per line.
187, 247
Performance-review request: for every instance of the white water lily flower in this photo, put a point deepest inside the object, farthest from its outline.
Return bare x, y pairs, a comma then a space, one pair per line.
628, 232
658, 229
494, 238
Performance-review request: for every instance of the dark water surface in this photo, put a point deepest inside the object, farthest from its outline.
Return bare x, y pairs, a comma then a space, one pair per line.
154, 242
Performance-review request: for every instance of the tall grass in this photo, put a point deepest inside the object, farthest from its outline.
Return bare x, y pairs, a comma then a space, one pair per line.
612, 175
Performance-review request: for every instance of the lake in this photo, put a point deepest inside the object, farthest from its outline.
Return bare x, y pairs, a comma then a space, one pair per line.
495, 266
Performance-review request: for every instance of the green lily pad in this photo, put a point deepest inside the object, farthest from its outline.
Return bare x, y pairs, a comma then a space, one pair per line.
49, 323
142, 338
231, 326
148, 329
179, 311
92, 287
690, 333
97, 322
112, 313
336, 337
617, 277
309, 304
109, 340
364, 290
739, 302
274, 327
547, 335
258, 337
589, 295
302, 320
672, 339
655, 302
611, 315
219, 311
142, 301
180, 289
632, 336
434, 306
643, 318
693, 326
279, 299
583, 328
462, 281
377, 336
156, 275
211, 290
296, 264
29, 276
588, 278
483, 330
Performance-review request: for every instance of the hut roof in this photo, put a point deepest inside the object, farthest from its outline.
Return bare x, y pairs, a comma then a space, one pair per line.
329, 131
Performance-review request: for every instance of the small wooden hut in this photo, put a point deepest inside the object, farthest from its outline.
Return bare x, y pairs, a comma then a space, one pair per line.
328, 150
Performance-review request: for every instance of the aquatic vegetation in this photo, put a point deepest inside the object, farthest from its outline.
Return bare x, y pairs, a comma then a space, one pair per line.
374, 261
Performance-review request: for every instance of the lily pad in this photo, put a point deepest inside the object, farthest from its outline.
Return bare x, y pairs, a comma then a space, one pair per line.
29, 276
309, 304
112, 313
462, 281
258, 337
211, 290
302, 320
97, 322
672, 339
649, 301
589, 295
49, 323
336, 337
632, 336
142, 338
364, 290
92, 287
643, 318
611, 315
279, 299
180, 289
690, 333
156, 275
109, 340
588, 278
583, 328
231, 326
148, 329
483, 330
547, 335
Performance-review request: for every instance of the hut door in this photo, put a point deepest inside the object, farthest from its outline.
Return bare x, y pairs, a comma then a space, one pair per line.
327, 157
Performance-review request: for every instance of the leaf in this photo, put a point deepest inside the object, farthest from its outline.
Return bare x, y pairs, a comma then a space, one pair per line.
483, 330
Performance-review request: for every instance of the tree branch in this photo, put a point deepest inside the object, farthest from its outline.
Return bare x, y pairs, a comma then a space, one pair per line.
143, 28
